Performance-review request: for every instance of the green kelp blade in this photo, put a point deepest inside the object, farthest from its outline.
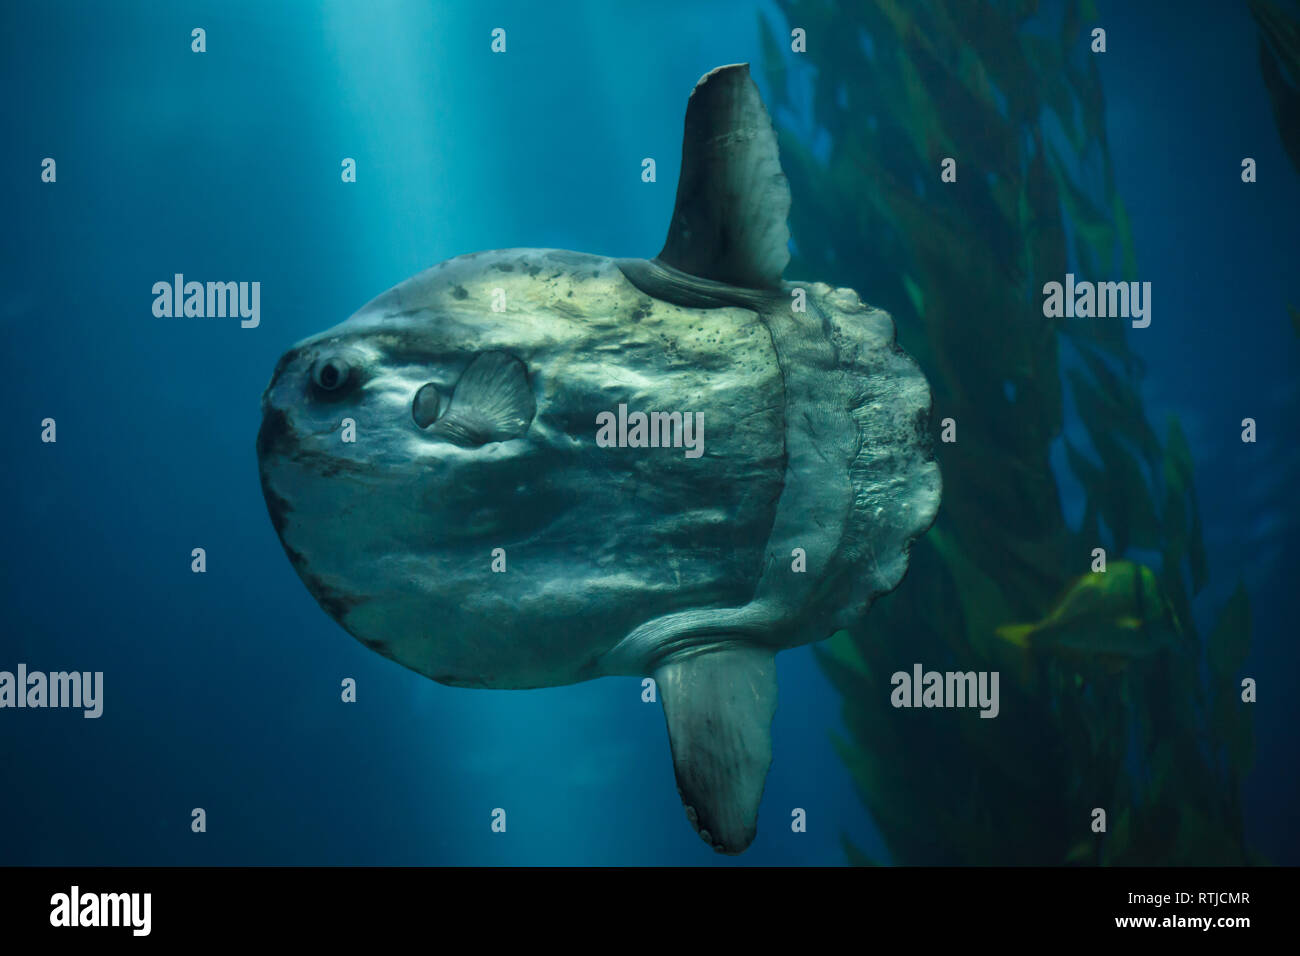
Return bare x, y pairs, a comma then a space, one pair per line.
1279, 62
1229, 642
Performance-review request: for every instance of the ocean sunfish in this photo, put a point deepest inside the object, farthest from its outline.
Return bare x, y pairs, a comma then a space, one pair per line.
532, 467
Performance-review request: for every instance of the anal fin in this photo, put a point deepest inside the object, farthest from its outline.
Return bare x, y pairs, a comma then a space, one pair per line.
719, 703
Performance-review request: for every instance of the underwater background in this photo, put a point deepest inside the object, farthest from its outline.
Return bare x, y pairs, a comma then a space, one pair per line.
222, 688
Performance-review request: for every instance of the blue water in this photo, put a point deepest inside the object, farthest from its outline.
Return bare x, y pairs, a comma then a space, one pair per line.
222, 689
1185, 105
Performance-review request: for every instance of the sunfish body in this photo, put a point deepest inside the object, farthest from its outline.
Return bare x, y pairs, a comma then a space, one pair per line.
452, 475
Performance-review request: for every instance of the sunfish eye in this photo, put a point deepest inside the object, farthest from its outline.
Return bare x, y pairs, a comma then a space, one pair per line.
425, 406
330, 373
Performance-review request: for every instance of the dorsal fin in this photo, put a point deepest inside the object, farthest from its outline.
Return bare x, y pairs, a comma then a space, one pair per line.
729, 223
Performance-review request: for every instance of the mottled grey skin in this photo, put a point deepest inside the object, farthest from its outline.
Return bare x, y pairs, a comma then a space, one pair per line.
629, 561
393, 534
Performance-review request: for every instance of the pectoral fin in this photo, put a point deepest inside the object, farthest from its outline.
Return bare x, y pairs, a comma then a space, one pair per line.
719, 704
492, 402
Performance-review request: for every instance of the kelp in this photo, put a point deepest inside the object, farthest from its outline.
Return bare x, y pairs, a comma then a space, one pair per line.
1279, 62
1159, 739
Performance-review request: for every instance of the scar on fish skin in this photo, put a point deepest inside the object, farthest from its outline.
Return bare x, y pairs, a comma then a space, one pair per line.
278, 508
337, 604
275, 435
285, 360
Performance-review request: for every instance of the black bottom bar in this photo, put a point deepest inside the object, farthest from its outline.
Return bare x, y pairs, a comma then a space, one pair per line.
372, 904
